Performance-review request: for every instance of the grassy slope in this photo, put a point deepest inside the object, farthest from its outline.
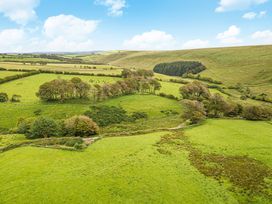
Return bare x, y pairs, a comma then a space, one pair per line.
113, 170
248, 65
234, 137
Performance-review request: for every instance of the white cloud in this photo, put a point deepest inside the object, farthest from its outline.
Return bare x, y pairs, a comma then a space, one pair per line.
191, 44
69, 33
253, 15
262, 14
230, 36
151, 40
263, 37
229, 5
19, 11
115, 7
11, 39
250, 15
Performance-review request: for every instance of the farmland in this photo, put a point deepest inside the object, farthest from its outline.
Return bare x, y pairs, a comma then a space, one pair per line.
152, 149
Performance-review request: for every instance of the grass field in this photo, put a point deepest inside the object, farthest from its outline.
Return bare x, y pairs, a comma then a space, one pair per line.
235, 137
4, 74
113, 170
83, 68
130, 169
32, 83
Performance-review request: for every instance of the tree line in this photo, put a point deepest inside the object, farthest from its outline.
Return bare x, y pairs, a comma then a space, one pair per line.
200, 103
179, 68
61, 90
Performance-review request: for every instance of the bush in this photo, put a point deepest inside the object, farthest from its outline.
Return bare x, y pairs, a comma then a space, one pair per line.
24, 125
81, 126
194, 111
195, 91
3, 97
43, 127
107, 115
15, 98
139, 115
257, 113
217, 106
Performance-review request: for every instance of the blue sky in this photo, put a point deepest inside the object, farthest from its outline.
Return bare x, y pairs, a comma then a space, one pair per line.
85, 25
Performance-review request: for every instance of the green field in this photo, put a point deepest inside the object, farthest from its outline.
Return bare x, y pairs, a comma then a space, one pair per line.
235, 137
113, 170
32, 83
83, 68
4, 74
157, 159
130, 169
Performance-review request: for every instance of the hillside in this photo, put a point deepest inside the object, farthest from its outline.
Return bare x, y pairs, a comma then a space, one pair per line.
251, 66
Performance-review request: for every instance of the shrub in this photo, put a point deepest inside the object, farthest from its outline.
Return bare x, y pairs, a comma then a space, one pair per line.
195, 91
107, 115
24, 125
15, 98
234, 110
257, 113
217, 106
194, 111
43, 127
81, 126
3, 97
139, 115
169, 112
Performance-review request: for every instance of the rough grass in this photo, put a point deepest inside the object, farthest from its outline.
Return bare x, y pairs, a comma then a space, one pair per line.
234, 137
113, 170
249, 178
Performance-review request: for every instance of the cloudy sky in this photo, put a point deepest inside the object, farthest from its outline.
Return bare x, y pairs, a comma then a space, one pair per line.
85, 25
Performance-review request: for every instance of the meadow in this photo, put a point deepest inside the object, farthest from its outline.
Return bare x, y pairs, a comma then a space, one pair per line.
161, 158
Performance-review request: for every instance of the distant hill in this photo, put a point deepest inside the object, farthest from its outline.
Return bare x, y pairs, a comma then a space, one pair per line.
250, 65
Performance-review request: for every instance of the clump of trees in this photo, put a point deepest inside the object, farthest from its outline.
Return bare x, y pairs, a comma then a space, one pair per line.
194, 111
45, 127
195, 91
200, 103
61, 90
179, 68
128, 73
257, 113
81, 126
107, 115
125, 87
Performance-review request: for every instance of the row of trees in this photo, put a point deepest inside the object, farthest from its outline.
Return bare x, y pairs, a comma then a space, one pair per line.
61, 90
44, 127
200, 103
128, 73
179, 68
125, 87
